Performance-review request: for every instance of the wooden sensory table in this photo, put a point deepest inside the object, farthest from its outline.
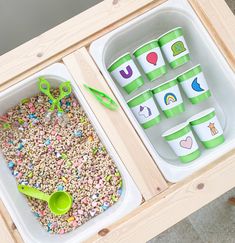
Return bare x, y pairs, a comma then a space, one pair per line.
164, 204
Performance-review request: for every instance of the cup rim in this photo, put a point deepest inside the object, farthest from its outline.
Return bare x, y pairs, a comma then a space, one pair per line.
175, 129
179, 27
168, 81
148, 42
118, 59
188, 70
137, 95
201, 114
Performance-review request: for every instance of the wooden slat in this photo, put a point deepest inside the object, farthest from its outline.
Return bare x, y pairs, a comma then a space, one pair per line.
117, 126
8, 231
68, 37
220, 23
171, 206
5, 233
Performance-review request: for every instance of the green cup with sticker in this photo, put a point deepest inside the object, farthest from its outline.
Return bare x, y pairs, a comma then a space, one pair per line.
182, 141
144, 109
150, 58
126, 73
169, 98
194, 84
207, 127
174, 47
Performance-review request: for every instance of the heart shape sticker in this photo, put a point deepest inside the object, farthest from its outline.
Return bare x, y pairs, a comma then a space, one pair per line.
187, 143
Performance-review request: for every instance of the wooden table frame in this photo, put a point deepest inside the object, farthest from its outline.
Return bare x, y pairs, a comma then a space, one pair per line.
164, 204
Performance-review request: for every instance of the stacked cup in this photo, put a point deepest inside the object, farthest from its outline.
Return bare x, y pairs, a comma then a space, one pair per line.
174, 47
182, 141
125, 72
145, 109
149, 57
169, 98
194, 84
207, 126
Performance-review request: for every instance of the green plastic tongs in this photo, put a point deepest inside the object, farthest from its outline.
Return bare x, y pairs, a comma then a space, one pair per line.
103, 98
65, 90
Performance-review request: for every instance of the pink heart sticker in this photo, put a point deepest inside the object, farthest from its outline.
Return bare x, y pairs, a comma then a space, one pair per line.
187, 143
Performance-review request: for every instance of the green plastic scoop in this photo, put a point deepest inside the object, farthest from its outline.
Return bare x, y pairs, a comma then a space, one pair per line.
58, 202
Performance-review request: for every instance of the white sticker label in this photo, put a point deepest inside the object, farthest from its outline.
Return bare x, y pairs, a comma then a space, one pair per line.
175, 49
208, 130
169, 98
195, 86
126, 73
184, 145
146, 111
151, 60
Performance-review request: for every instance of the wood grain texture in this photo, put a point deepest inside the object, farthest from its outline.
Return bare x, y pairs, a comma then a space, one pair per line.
68, 37
117, 126
171, 206
220, 23
8, 231
6, 236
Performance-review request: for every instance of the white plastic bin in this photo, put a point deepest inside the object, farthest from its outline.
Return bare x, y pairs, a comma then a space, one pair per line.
16, 203
220, 77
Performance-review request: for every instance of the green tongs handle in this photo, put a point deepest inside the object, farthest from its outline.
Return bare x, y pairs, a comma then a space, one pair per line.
103, 98
65, 90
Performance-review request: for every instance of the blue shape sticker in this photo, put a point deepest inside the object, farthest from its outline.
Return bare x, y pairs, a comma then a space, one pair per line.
196, 86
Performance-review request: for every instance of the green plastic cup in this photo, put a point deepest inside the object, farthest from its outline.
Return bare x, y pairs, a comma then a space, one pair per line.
183, 143
194, 84
145, 109
169, 98
125, 72
207, 127
150, 58
174, 47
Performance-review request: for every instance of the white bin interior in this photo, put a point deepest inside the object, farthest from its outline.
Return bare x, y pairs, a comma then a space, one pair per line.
220, 78
16, 203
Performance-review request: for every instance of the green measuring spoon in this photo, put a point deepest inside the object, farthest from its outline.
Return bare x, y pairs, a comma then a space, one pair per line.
58, 202
65, 90
103, 98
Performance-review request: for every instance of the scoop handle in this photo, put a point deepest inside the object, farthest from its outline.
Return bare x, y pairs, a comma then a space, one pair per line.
32, 192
